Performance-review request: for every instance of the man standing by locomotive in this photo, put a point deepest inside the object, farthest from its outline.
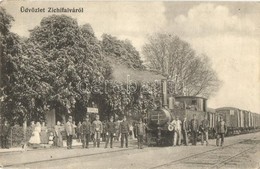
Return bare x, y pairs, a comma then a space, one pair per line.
85, 130
221, 131
194, 127
177, 131
185, 128
124, 130
110, 132
97, 127
204, 130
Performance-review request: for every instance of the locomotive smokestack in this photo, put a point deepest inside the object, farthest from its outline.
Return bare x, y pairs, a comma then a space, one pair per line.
164, 93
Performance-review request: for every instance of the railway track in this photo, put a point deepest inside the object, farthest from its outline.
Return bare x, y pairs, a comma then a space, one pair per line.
214, 158
229, 156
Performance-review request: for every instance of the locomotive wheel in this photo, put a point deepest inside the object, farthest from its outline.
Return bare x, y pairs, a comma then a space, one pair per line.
149, 139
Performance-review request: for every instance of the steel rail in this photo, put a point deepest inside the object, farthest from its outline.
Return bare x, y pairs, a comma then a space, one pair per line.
198, 154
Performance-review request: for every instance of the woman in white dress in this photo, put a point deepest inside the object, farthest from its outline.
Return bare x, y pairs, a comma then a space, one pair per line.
35, 139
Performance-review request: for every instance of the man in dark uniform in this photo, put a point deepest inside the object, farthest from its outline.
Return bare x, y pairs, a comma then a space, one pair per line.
110, 132
5, 129
185, 128
221, 131
85, 130
140, 131
204, 130
194, 127
124, 130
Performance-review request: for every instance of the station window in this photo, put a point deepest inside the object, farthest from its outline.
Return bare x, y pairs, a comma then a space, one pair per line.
194, 102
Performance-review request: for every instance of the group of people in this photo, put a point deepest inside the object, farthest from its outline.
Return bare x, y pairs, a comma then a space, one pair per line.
194, 127
40, 134
96, 128
88, 131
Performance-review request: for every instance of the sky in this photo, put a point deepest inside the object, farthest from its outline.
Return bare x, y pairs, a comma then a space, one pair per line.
228, 32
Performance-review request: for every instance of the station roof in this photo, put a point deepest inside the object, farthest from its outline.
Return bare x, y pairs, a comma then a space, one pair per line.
231, 108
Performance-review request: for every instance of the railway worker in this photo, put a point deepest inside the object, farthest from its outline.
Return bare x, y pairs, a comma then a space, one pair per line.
69, 128
110, 132
204, 130
85, 131
177, 131
194, 127
124, 130
97, 127
5, 129
140, 131
221, 130
117, 129
185, 128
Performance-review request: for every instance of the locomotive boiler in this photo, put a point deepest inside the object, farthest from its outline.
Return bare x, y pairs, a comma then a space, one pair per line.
159, 128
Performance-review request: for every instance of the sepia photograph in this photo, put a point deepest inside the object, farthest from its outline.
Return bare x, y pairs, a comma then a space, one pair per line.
129, 84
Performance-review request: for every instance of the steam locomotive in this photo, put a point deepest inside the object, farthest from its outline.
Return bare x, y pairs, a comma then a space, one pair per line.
159, 129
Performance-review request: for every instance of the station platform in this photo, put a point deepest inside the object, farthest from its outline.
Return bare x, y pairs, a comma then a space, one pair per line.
119, 157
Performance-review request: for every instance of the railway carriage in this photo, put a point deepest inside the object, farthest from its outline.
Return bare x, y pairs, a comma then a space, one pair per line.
237, 120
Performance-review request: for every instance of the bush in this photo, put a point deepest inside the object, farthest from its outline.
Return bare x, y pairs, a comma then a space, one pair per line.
16, 135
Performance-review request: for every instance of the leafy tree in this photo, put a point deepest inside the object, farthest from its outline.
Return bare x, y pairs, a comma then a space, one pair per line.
74, 56
121, 52
9, 54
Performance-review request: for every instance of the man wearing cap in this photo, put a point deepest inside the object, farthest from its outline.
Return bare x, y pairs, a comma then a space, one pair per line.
204, 128
110, 132
85, 131
69, 132
221, 131
185, 128
97, 127
4, 132
177, 131
194, 127
140, 130
124, 130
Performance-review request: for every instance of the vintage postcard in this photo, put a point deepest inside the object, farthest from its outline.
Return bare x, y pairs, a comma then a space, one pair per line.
129, 84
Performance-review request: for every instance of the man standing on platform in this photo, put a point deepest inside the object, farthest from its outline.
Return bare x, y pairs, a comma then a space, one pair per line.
69, 132
204, 130
97, 127
221, 131
140, 127
185, 128
177, 131
85, 130
194, 127
110, 132
124, 130
5, 129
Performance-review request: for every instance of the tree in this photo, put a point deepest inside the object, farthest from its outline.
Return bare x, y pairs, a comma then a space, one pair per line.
10, 53
172, 57
121, 51
73, 54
